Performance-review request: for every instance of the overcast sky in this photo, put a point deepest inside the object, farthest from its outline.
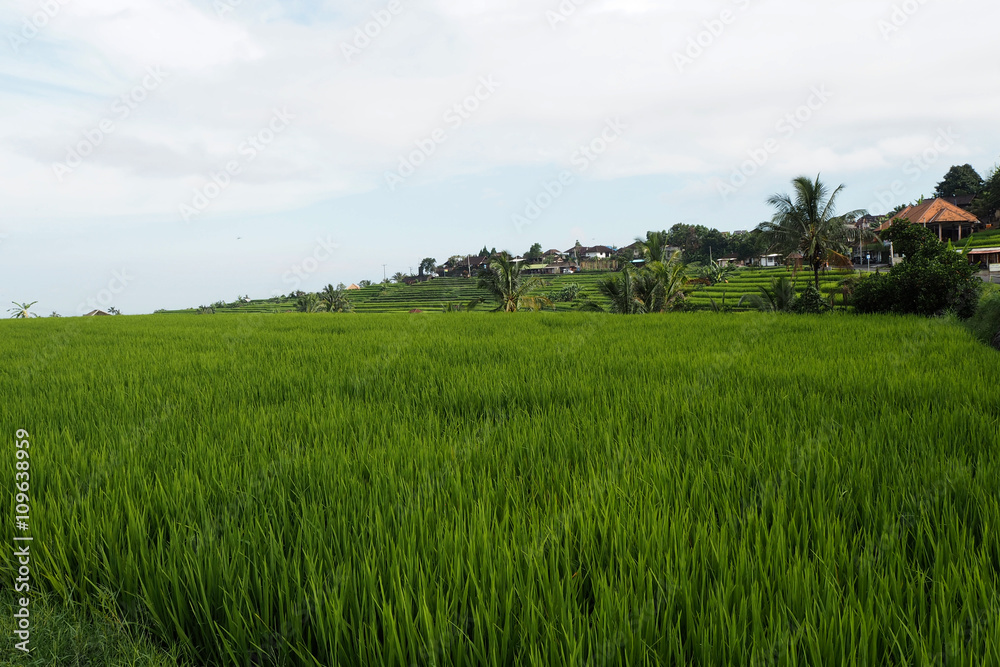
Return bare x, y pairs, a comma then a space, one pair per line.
169, 153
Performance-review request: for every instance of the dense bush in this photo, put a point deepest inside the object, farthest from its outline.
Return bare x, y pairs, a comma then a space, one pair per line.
985, 324
810, 302
932, 279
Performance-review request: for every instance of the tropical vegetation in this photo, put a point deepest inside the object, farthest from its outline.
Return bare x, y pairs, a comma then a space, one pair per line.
558, 489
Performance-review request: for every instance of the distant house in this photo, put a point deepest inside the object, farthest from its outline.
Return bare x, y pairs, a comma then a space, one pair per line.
726, 261
591, 252
467, 266
767, 261
552, 254
98, 313
353, 287
949, 221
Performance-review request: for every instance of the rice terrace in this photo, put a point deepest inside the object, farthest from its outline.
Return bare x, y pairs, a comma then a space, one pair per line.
436, 334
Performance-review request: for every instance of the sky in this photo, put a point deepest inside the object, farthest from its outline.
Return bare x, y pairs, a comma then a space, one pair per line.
172, 153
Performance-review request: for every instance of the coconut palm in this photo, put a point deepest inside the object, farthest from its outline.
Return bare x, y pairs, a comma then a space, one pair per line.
334, 300
807, 222
22, 311
624, 294
654, 246
778, 298
504, 282
714, 272
308, 303
671, 273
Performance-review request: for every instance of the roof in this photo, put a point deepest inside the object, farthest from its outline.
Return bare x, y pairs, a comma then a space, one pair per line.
984, 251
935, 211
97, 313
353, 287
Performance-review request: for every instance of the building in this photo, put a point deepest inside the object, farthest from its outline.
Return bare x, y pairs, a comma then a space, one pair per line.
988, 257
98, 313
950, 222
767, 261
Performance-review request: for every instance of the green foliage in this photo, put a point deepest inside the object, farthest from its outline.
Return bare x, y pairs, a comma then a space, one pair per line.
22, 311
931, 280
780, 297
333, 299
656, 288
810, 302
567, 294
309, 303
66, 635
535, 253
807, 222
960, 180
985, 324
481, 490
508, 288
987, 204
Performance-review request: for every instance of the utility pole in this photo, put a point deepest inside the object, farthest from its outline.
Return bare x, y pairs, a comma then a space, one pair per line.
384, 278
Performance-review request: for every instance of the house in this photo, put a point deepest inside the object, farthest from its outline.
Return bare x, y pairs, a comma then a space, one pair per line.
767, 261
467, 266
726, 261
97, 313
353, 287
988, 257
939, 215
552, 254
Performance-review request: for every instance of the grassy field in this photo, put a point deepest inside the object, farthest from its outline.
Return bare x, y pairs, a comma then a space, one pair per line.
465, 489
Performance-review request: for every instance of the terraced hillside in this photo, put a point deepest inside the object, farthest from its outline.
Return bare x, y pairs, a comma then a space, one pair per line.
437, 295
989, 238
748, 281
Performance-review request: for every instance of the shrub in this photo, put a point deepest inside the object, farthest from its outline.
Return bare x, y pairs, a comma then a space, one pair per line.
810, 302
985, 324
932, 280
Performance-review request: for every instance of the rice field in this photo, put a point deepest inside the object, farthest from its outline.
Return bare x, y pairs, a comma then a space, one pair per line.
537, 489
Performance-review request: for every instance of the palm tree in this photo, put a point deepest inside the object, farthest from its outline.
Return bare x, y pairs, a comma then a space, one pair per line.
778, 298
308, 303
21, 311
334, 300
623, 293
672, 275
654, 246
808, 223
714, 272
504, 282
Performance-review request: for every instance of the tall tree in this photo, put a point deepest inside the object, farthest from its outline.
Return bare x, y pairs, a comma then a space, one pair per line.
508, 287
987, 204
535, 253
960, 180
427, 265
808, 222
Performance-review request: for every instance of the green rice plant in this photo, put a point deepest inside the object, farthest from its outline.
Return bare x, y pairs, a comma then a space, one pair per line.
525, 489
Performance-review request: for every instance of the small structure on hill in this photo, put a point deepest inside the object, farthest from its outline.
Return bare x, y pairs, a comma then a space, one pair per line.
949, 221
98, 313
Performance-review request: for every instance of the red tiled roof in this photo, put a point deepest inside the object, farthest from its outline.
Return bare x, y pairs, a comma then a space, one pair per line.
932, 212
